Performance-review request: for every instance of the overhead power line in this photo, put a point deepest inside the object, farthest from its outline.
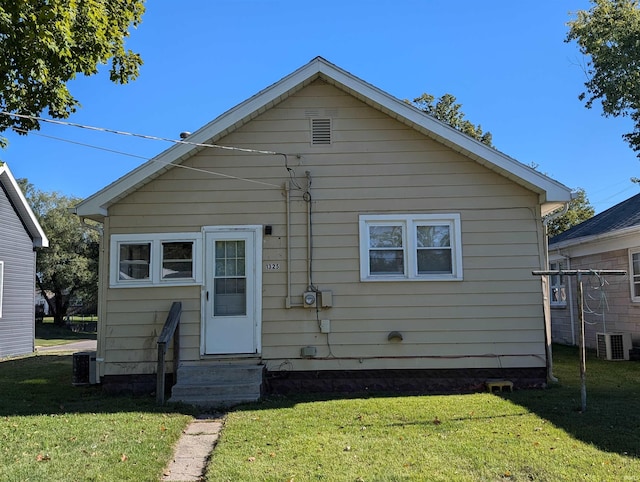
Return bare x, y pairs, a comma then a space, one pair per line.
133, 134
153, 138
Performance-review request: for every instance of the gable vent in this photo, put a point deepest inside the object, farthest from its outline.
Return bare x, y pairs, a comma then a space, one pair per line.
320, 131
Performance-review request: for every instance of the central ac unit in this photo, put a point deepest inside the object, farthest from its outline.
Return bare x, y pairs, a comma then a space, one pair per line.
614, 346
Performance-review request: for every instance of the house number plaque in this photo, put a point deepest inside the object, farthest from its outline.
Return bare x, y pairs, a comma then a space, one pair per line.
272, 266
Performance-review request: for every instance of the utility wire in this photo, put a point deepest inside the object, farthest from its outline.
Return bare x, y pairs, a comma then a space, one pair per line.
61, 139
142, 136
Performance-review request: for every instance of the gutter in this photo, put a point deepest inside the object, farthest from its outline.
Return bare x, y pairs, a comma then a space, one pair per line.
83, 220
618, 233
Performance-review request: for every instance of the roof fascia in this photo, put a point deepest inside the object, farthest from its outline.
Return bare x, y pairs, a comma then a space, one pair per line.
611, 237
552, 194
96, 206
550, 191
22, 208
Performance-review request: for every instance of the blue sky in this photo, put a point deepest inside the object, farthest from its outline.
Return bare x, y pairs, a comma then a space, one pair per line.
505, 61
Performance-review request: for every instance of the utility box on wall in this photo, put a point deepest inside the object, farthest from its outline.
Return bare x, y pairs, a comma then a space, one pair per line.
326, 299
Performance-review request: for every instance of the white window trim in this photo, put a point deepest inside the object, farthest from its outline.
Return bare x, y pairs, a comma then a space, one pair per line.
634, 299
1, 285
155, 264
561, 303
409, 224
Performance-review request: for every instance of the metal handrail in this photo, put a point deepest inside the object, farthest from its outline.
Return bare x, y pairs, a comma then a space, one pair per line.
171, 329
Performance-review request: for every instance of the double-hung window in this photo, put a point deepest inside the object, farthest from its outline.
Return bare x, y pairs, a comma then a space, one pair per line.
634, 274
410, 247
557, 288
155, 259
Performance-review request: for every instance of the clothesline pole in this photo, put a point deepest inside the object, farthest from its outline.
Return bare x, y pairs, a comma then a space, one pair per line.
583, 350
578, 273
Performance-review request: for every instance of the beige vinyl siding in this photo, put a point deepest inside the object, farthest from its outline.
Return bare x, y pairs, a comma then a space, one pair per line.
374, 165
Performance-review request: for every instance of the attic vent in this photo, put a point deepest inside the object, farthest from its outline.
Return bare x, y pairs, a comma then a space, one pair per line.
320, 131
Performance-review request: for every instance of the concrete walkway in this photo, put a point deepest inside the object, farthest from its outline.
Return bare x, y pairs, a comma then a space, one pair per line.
198, 440
82, 345
194, 448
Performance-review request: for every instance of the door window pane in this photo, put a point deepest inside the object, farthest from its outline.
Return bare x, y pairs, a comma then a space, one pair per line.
230, 294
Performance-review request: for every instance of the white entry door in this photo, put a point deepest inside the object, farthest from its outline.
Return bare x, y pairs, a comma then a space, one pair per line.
232, 296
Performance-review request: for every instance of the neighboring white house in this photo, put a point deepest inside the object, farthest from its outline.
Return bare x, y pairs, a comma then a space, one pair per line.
20, 234
342, 240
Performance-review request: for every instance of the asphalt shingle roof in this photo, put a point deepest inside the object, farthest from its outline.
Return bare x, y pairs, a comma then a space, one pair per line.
623, 215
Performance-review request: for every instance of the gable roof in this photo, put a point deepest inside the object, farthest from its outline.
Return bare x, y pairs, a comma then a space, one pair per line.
621, 217
551, 193
21, 207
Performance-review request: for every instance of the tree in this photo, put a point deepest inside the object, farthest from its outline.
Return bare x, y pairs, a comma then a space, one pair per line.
46, 43
609, 35
579, 210
446, 110
66, 271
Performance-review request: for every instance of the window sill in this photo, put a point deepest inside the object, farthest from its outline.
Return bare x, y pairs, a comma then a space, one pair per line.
393, 279
150, 284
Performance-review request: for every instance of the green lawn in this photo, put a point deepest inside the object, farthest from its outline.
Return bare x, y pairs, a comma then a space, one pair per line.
53, 431
48, 334
526, 435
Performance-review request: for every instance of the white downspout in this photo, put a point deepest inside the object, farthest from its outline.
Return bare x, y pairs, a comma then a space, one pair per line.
287, 191
545, 287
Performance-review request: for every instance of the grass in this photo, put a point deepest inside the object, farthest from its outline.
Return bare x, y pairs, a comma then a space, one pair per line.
53, 431
48, 334
525, 435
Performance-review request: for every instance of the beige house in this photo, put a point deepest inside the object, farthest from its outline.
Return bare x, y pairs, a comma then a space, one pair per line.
331, 237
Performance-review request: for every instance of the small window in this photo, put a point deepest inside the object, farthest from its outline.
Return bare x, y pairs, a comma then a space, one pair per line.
634, 271
177, 260
1, 284
154, 259
557, 288
134, 261
410, 247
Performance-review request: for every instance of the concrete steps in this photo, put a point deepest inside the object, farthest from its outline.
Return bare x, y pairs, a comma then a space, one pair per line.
217, 385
